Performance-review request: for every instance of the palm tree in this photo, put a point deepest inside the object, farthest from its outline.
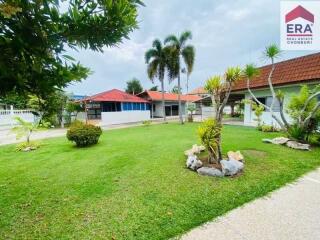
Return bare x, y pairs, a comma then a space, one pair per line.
178, 49
156, 58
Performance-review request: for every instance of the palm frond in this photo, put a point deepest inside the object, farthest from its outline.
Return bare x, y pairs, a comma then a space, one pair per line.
152, 69
184, 37
157, 45
151, 53
188, 54
272, 51
171, 40
251, 71
233, 74
213, 84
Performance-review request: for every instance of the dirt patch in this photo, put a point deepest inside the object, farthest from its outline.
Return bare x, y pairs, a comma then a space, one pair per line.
205, 162
255, 153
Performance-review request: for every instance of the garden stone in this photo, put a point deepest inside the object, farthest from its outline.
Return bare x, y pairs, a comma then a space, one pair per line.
297, 145
266, 140
237, 156
212, 172
231, 167
280, 140
194, 150
193, 163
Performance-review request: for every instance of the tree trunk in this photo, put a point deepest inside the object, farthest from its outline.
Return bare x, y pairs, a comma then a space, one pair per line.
28, 136
179, 99
163, 103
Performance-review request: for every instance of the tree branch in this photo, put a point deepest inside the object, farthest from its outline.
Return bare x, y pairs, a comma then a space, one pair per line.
311, 115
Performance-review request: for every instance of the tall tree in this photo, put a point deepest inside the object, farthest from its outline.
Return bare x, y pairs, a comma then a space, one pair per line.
134, 86
180, 49
34, 36
157, 60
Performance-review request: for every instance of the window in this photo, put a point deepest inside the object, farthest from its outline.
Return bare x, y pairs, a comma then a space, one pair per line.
111, 107
262, 100
147, 106
143, 106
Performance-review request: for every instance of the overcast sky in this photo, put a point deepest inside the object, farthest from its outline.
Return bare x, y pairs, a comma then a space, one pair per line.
225, 33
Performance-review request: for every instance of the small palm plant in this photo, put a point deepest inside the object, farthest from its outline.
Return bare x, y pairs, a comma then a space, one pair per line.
24, 129
209, 133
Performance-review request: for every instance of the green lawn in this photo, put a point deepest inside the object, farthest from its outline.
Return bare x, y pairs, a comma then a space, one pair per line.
133, 184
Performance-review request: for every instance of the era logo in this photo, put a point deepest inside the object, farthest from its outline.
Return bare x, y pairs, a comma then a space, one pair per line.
299, 29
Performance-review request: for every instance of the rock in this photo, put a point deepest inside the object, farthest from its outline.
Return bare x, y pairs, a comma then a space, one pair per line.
237, 156
189, 152
231, 167
27, 149
266, 140
297, 145
280, 140
212, 172
194, 150
193, 163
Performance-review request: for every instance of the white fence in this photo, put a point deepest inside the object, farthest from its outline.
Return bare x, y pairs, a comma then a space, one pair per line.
7, 117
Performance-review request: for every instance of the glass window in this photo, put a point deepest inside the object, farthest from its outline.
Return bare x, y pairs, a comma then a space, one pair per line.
276, 105
125, 106
143, 106
148, 106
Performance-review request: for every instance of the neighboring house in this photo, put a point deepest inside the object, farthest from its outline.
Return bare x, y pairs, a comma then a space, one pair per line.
171, 103
288, 77
77, 97
116, 107
200, 91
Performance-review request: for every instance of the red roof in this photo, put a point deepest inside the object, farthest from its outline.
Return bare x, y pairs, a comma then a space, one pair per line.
293, 71
157, 96
199, 90
114, 95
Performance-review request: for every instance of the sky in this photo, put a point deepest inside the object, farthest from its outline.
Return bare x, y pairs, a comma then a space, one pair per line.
225, 33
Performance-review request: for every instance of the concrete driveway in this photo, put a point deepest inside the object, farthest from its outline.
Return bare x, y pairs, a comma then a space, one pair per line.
290, 213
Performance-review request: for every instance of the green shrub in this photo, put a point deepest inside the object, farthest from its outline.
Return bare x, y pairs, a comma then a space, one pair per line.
296, 132
83, 134
314, 139
209, 132
268, 128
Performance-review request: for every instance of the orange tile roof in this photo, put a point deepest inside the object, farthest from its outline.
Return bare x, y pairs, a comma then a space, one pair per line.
297, 70
114, 95
199, 90
157, 96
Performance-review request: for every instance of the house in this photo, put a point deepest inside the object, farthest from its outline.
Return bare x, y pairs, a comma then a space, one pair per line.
171, 103
288, 77
200, 91
116, 107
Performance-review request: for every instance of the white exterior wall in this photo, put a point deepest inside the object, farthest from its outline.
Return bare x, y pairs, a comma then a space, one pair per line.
159, 110
250, 117
109, 118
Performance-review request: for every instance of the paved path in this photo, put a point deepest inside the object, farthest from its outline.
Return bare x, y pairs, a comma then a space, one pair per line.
290, 213
8, 137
